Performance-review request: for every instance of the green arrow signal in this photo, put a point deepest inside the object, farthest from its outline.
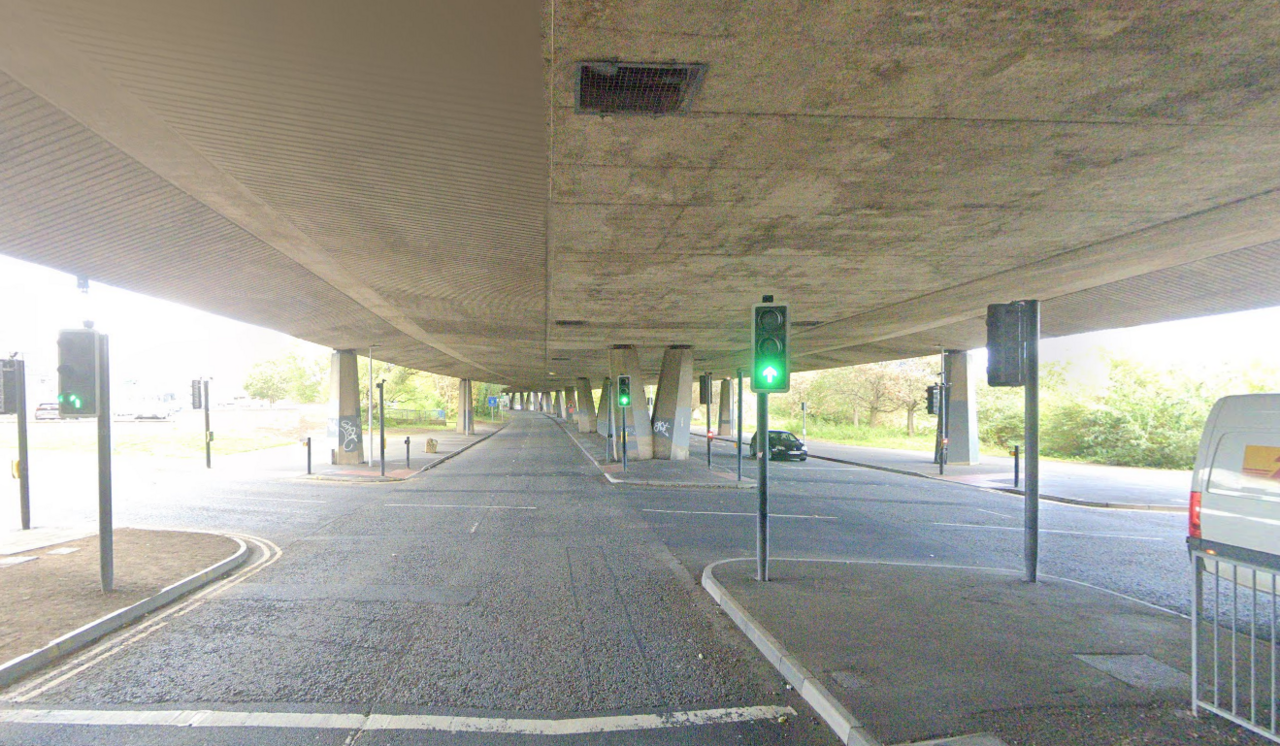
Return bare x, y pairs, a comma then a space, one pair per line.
769, 374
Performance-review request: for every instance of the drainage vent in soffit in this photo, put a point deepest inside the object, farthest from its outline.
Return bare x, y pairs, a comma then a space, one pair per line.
637, 88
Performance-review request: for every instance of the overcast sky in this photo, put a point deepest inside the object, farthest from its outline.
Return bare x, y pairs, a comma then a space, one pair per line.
163, 345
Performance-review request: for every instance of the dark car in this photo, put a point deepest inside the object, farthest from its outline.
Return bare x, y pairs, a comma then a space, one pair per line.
782, 446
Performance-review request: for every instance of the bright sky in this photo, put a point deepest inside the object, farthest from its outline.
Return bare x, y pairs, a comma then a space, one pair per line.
162, 345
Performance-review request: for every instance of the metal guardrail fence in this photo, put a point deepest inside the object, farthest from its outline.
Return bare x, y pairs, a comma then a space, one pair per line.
1233, 636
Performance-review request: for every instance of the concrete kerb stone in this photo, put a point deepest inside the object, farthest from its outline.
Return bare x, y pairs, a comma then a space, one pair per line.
472, 444
835, 715
743, 485
1003, 490
94, 631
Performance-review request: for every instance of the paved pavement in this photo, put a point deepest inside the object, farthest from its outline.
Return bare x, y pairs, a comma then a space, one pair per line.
405, 460
508, 586
1094, 484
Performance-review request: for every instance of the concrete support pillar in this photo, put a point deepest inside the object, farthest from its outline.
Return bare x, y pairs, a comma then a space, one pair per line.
466, 409
586, 415
672, 405
602, 412
962, 414
625, 361
558, 408
724, 426
570, 404
345, 425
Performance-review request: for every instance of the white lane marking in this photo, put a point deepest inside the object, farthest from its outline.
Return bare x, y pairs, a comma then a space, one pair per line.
353, 721
474, 526
464, 507
992, 512
719, 512
274, 499
1055, 531
113, 644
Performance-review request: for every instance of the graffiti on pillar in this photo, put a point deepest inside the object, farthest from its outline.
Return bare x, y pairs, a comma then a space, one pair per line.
349, 432
662, 427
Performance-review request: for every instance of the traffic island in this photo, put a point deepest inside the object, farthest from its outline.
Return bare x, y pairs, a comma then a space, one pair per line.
908, 653
691, 472
52, 597
401, 464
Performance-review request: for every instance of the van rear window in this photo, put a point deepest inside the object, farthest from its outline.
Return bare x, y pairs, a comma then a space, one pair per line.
1246, 465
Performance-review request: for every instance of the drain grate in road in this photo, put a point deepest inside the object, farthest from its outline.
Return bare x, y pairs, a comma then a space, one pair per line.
1141, 671
848, 680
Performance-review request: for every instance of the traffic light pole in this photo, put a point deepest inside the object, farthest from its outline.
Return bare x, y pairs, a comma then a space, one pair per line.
208, 434
382, 432
106, 538
709, 387
24, 470
739, 424
762, 487
624, 438
1031, 437
944, 409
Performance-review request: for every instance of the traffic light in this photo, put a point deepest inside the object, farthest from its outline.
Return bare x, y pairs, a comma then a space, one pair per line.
771, 371
704, 388
624, 391
78, 372
1006, 344
197, 400
933, 399
8, 386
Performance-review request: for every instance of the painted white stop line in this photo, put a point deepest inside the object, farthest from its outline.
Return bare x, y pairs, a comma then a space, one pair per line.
356, 721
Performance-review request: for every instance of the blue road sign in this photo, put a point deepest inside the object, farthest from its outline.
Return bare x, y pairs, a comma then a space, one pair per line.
493, 401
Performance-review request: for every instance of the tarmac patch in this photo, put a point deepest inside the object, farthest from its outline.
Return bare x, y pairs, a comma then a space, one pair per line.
1141, 671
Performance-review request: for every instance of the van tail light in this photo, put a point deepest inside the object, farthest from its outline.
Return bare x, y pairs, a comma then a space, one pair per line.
1194, 516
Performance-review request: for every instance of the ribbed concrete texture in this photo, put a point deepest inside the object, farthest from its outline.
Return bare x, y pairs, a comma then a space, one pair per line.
724, 425
586, 415
962, 416
345, 426
671, 405
624, 361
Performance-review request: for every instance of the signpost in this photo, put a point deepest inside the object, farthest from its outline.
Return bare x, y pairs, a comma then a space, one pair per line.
624, 402
1013, 359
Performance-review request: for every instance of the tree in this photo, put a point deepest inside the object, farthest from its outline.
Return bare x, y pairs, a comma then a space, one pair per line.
266, 380
913, 376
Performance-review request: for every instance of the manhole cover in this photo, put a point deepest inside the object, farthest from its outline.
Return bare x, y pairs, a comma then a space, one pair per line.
848, 680
1141, 671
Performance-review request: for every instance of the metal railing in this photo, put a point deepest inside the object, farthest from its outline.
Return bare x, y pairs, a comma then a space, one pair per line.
1233, 635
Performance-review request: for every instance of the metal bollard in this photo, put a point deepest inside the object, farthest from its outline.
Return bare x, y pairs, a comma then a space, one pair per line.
308, 454
1015, 467
406, 452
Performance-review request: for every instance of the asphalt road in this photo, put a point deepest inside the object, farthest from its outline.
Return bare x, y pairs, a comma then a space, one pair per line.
507, 594
513, 585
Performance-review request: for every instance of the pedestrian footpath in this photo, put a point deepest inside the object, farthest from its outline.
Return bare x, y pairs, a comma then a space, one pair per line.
1086, 484
407, 455
902, 653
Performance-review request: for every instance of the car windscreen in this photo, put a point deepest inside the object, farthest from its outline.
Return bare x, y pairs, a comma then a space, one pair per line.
783, 439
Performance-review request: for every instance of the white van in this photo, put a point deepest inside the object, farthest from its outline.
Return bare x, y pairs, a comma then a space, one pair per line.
1235, 488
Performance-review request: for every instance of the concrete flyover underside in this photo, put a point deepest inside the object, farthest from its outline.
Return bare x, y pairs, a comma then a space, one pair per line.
417, 176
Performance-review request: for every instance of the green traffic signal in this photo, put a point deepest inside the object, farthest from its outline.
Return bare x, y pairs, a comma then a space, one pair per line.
771, 369
624, 391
